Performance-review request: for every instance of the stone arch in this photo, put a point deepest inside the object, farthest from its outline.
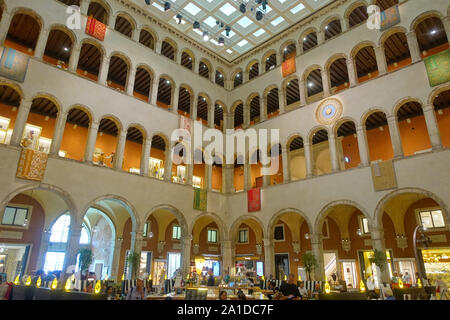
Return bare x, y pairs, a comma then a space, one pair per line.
16, 87
50, 97
167, 77
361, 45
279, 213
288, 140
250, 64
105, 5
236, 223
288, 79
436, 91
127, 17
147, 68
178, 215
340, 122
250, 97
172, 43
150, 30
310, 69
287, 43
84, 108
140, 128
353, 6
267, 55
29, 12
385, 35
404, 100
333, 58
235, 104
220, 224
96, 44
371, 111
114, 119
316, 129
423, 16
122, 56
306, 33
66, 30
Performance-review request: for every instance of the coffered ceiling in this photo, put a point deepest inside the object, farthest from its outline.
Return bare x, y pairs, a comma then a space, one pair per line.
246, 32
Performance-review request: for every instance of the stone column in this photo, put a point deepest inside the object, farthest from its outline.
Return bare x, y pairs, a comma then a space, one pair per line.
263, 109
168, 164
158, 46
116, 260
269, 257
227, 255
377, 236
118, 160
146, 147
446, 23
308, 159
84, 7
246, 116
90, 144
73, 246
362, 146
413, 45
227, 178
317, 250
4, 26
381, 60
131, 81
395, 137
303, 92
186, 254
58, 132
266, 177
351, 72
325, 83
21, 121
194, 108
208, 177
211, 115
281, 101
74, 58
45, 239
111, 21
333, 152
176, 96
320, 37
136, 34
154, 93
41, 43
432, 127
104, 71
286, 169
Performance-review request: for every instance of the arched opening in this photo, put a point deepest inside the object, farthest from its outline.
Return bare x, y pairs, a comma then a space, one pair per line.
289, 51
75, 135
168, 50
23, 33
38, 132
441, 105
237, 80
219, 79
288, 232
431, 36
203, 70
255, 115
142, 84
157, 159
239, 116
202, 109
124, 26
378, 137
117, 73
273, 103
292, 92
90, 61
205, 248
271, 62
58, 48
218, 116
184, 102
396, 51
98, 12
187, 60
247, 234
106, 143
147, 39
385, 4
239, 179
253, 71
133, 150
413, 128
70, 2
400, 214
357, 16
198, 177
332, 29
347, 143
314, 84
366, 64
309, 41
10, 101
339, 79
164, 98
321, 158
297, 161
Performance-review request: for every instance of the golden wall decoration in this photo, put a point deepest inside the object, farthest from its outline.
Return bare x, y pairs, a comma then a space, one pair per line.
329, 111
32, 165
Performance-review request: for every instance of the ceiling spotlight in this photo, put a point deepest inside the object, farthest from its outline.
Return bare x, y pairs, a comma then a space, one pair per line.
326, 27
238, 75
147, 2
167, 81
66, 49
220, 76
433, 31
285, 49
205, 36
221, 41
166, 6
310, 84
242, 8
196, 25
304, 39
264, 4
179, 17
259, 15
227, 31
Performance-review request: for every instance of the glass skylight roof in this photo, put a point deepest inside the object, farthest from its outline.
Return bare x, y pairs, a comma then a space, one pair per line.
246, 32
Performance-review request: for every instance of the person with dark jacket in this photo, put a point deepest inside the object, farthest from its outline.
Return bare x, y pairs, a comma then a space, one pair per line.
290, 289
211, 281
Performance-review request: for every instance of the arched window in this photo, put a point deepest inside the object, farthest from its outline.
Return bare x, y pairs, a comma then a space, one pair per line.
84, 238
60, 229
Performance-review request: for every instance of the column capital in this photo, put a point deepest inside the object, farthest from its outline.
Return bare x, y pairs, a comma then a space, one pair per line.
359, 128
411, 34
306, 144
188, 237
94, 124
376, 233
267, 242
391, 118
26, 103
331, 135
315, 238
123, 133
428, 108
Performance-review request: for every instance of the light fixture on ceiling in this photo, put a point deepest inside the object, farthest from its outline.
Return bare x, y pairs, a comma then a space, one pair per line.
166, 6
304, 39
310, 84
326, 27
179, 17
242, 8
66, 49
259, 15
227, 31
167, 81
196, 25
147, 2
433, 31
205, 36
221, 41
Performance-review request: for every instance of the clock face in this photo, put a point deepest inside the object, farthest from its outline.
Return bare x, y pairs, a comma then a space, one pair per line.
329, 111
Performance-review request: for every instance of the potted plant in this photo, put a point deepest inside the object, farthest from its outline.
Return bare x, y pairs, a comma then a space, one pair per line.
380, 261
85, 260
133, 263
309, 263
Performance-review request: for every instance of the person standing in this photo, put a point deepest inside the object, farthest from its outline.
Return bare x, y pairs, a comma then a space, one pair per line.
139, 292
211, 280
407, 278
290, 289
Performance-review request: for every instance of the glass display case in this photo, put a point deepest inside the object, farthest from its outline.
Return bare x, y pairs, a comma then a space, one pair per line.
4, 125
156, 168
197, 182
31, 136
44, 145
3, 263
181, 175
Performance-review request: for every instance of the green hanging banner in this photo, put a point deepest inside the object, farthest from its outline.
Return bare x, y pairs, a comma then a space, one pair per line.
438, 68
200, 199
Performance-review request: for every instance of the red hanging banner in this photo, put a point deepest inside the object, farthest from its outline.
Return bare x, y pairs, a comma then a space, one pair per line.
95, 29
288, 66
254, 200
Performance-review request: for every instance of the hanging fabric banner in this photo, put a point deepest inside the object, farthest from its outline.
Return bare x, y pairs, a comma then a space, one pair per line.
438, 68
389, 17
200, 199
13, 64
288, 67
254, 200
32, 165
185, 123
95, 28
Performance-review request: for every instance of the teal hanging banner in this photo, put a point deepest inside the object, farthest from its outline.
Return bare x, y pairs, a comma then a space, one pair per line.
13, 64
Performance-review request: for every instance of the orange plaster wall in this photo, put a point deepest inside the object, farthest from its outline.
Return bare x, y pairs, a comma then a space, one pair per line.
379, 144
350, 150
414, 135
204, 244
246, 248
